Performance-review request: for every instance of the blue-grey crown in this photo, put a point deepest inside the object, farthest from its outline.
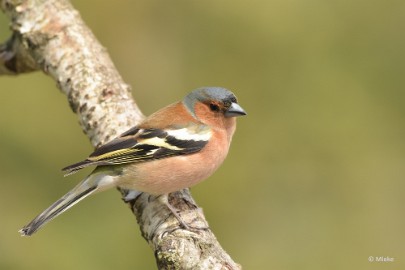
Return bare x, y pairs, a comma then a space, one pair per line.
205, 94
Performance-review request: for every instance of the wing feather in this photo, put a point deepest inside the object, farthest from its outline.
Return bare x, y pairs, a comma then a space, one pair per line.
139, 145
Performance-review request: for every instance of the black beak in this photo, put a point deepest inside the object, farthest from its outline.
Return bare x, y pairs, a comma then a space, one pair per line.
235, 110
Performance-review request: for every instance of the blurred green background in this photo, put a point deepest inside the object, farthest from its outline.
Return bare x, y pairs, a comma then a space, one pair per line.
315, 176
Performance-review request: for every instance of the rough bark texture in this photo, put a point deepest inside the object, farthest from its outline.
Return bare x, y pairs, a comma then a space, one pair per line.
49, 35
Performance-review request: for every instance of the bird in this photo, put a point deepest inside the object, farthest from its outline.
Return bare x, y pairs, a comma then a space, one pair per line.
172, 149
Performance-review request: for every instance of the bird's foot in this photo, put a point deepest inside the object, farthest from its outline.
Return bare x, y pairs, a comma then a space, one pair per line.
175, 212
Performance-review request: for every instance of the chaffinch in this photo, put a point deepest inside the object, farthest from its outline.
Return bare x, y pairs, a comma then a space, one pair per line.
174, 148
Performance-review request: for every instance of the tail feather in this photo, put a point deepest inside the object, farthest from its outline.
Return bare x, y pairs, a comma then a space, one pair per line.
80, 192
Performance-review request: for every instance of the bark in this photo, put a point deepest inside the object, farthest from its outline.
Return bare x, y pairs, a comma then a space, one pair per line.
49, 35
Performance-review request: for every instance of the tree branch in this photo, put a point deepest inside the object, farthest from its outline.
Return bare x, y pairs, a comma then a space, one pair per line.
49, 35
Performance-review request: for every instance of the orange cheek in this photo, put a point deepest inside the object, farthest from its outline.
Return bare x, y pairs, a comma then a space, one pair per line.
205, 115
201, 110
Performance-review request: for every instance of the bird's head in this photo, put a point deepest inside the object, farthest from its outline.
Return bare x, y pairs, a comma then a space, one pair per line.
209, 103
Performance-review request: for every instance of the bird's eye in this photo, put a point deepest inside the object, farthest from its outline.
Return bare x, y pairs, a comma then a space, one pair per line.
214, 107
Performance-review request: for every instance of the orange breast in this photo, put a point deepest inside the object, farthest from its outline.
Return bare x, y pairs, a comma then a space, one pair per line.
176, 173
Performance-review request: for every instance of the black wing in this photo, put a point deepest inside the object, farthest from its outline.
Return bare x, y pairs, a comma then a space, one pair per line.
139, 145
